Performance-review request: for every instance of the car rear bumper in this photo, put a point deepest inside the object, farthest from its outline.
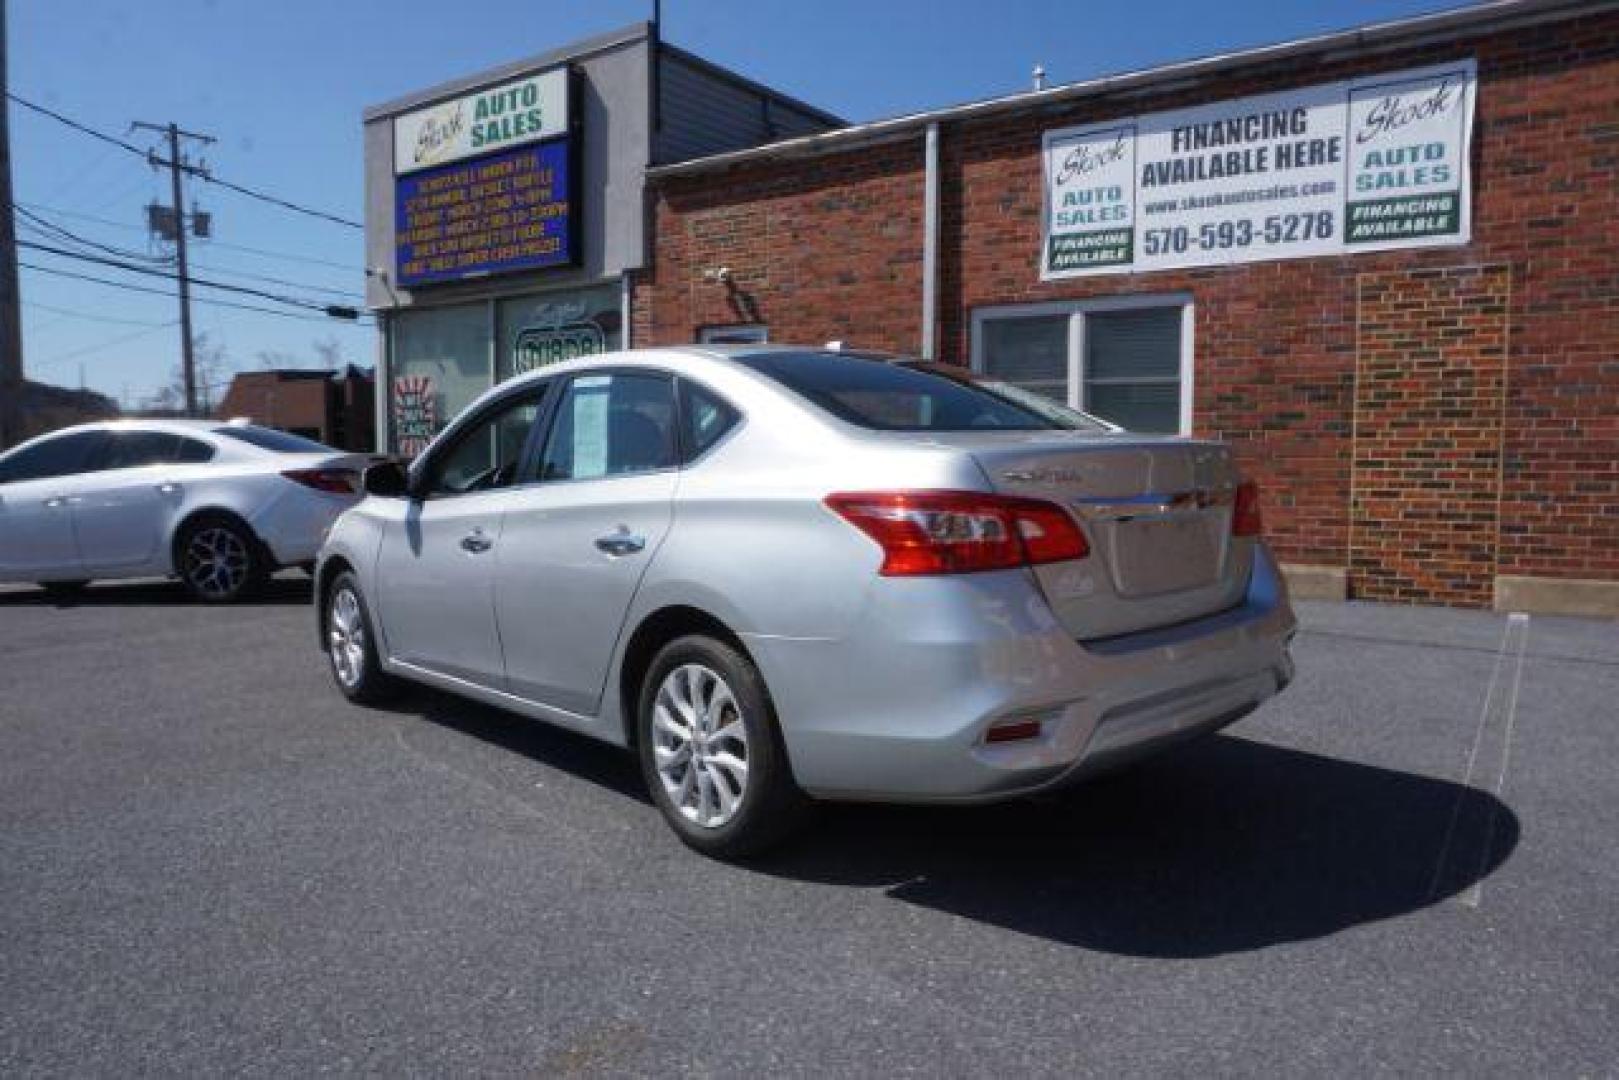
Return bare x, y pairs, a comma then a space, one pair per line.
898, 711
294, 524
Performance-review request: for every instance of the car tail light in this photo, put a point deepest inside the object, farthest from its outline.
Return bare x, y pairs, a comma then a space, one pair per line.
1245, 517
336, 481
959, 532
1005, 731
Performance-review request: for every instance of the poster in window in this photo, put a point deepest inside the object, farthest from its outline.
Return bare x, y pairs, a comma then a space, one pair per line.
415, 413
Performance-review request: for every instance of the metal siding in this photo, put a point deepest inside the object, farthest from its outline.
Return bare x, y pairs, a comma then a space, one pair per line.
703, 114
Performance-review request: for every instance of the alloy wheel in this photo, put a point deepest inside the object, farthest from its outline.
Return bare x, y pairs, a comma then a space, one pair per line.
700, 745
217, 561
345, 637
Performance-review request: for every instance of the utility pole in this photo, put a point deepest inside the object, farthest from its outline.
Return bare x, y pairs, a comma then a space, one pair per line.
178, 166
11, 381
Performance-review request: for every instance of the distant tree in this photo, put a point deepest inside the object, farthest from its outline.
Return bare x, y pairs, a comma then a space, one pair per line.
329, 354
213, 372
277, 360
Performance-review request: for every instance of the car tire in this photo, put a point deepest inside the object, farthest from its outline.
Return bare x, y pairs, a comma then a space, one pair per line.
351, 644
711, 750
219, 560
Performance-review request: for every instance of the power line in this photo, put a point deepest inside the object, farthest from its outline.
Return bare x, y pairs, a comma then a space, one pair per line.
280, 281
57, 232
82, 216
212, 243
73, 174
284, 255
194, 170
85, 315
76, 126
88, 349
273, 201
164, 292
291, 301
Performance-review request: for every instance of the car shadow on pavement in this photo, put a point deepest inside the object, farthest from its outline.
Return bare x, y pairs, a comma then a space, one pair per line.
589, 759
293, 588
1227, 845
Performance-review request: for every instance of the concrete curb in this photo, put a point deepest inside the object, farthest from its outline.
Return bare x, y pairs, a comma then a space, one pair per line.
1557, 596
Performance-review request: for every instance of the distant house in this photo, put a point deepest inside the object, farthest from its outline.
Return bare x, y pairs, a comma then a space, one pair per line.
46, 408
330, 407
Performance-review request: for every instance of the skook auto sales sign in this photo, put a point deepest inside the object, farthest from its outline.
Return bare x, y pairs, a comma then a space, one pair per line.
521, 111
1364, 165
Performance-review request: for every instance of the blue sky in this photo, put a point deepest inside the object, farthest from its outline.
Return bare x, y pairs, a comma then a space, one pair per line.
282, 85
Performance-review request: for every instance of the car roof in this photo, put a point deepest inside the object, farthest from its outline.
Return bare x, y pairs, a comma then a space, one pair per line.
165, 424
173, 424
676, 357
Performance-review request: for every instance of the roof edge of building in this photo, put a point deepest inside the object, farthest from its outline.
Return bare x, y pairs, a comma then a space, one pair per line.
1491, 15
600, 43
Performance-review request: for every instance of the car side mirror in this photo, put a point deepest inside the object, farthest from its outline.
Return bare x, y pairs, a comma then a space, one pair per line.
386, 478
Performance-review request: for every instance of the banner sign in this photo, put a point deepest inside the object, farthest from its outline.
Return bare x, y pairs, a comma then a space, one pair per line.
1368, 164
511, 114
509, 211
415, 409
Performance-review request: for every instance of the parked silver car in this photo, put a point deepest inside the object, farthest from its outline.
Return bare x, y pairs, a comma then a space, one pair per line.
217, 505
787, 574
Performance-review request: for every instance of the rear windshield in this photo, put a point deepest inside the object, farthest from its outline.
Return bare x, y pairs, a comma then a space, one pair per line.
270, 439
871, 393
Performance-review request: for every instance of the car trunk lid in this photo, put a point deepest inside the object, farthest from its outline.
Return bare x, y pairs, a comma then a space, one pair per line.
1157, 512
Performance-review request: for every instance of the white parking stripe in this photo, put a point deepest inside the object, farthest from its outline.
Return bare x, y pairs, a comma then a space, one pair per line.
1514, 639
1475, 892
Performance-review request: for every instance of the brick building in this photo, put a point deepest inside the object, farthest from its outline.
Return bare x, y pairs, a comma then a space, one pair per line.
335, 408
1382, 263
1427, 387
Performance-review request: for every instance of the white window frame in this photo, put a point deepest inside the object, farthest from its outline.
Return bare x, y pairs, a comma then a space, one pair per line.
1077, 310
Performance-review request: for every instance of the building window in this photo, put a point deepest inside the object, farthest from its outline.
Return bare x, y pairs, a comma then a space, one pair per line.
440, 363
741, 334
1031, 352
1131, 373
441, 358
1127, 360
547, 328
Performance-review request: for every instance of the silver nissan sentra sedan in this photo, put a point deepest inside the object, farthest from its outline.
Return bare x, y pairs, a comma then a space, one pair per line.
785, 574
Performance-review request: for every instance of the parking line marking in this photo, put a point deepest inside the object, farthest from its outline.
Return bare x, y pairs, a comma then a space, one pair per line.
1475, 891
1517, 626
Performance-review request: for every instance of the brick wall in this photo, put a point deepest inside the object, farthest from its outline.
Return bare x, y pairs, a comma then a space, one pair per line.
1430, 391
830, 247
824, 249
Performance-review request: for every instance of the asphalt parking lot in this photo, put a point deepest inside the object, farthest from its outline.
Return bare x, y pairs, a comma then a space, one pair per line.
209, 862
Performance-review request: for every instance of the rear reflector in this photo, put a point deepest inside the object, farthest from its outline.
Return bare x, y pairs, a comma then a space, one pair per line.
336, 481
1245, 517
960, 532
1006, 731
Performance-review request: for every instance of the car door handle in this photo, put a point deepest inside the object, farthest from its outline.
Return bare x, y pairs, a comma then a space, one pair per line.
55, 501
621, 542
476, 542
168, 488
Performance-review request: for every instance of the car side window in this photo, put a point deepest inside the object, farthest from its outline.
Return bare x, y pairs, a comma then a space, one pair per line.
489, 453
65, 455
705, 417
193, 452
612, 425
134, 449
